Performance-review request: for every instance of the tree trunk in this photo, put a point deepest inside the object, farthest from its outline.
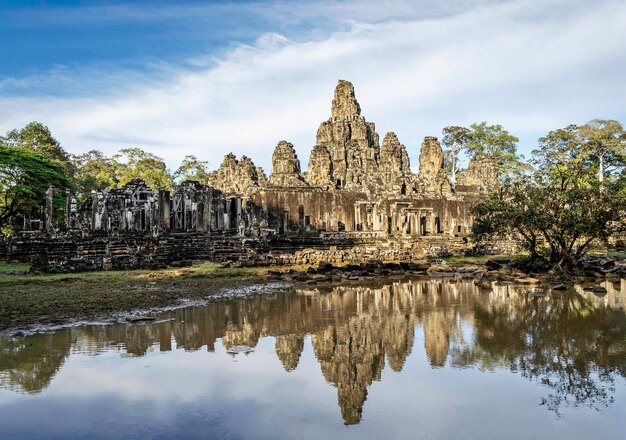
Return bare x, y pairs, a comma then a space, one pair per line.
601, 171
453, 167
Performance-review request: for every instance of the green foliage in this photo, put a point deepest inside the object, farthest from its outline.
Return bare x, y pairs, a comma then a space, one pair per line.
24, 178
37, 137
495, 142
192, 169
455, 141
482, 140
531, 263
134, 163
94, 171
598, 147
604, 142
559, 209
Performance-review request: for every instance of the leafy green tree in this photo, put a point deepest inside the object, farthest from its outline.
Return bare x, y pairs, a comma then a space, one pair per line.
37, 137
495, 142
134, 163
25, 177
94, 171
482, 140
455, 141
605, 142
560, 209
192, 169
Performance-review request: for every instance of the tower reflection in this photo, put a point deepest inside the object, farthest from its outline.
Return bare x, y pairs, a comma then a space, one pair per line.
573, 342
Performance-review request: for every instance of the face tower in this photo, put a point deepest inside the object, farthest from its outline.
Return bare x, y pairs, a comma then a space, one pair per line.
351, 142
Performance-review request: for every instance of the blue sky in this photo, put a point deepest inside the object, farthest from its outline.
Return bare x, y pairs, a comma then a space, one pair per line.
209, 77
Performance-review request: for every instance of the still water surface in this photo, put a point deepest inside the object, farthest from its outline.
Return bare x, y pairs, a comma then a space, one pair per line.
395, 359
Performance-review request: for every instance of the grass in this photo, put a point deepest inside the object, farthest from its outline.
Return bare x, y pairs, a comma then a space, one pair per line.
476, 259
9, 273
55, 298
9, 268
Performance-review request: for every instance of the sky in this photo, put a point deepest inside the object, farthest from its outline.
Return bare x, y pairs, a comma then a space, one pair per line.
209, 77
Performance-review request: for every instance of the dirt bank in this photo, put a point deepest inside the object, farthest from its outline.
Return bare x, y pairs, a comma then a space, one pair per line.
54, 299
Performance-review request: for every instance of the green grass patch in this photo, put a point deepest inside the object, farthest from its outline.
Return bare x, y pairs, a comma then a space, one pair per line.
204, 270
55, 298
11, 268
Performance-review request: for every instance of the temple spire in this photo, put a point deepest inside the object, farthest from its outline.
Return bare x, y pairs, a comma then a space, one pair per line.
344, 102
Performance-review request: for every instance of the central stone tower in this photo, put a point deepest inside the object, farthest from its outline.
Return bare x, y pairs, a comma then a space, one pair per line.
351, 141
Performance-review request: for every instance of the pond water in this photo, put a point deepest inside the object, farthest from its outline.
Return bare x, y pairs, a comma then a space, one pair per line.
394, 359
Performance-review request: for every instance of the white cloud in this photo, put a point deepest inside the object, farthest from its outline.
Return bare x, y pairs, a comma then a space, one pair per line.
530, 65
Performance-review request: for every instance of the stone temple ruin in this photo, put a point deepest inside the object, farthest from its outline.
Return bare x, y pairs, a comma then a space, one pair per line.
358, 200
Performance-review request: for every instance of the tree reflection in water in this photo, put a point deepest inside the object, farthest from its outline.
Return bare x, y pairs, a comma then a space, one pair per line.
572, 342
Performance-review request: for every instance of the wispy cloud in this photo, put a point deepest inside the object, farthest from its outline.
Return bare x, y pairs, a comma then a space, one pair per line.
529, 65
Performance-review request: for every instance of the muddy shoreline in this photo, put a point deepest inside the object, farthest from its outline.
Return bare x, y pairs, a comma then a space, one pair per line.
44, 302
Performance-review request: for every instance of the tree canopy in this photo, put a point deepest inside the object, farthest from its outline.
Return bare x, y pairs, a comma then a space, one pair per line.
560, 208
25, 177
134, 163
94, 171
192, 169
37, 137
482, 140
455, 141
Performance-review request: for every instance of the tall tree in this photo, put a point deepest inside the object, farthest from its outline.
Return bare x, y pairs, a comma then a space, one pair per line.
94, 171
604, 141
37, 137
455, 141
192, 169
559, 210
495, 142
134, 163
24, 178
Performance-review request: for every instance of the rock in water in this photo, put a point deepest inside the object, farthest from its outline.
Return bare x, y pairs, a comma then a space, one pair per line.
599, 290
139, 318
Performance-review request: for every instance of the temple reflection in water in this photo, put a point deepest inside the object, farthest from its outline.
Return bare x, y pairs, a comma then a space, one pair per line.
573, 342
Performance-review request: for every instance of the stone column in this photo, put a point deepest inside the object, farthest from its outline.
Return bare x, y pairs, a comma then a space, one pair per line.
68, 210
165, 202
49, 210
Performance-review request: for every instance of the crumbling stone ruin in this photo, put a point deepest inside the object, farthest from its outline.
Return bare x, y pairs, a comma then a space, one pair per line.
355, 196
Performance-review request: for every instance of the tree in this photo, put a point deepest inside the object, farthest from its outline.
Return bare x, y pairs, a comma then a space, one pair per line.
495, 142
455, 141
482, 140
192, 169
134, 163
605, 142
94, 171
25, 177
560, 209
37, 137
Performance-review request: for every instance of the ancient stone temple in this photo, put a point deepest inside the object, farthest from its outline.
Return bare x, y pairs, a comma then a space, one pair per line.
355, 194
286, 166
395, 177
432, 174
351, 141
481, 173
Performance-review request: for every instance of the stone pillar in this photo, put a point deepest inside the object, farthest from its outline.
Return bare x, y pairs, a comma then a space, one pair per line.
68, 210
165, 202
433, 230
208, 211
227, 214
49, 210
